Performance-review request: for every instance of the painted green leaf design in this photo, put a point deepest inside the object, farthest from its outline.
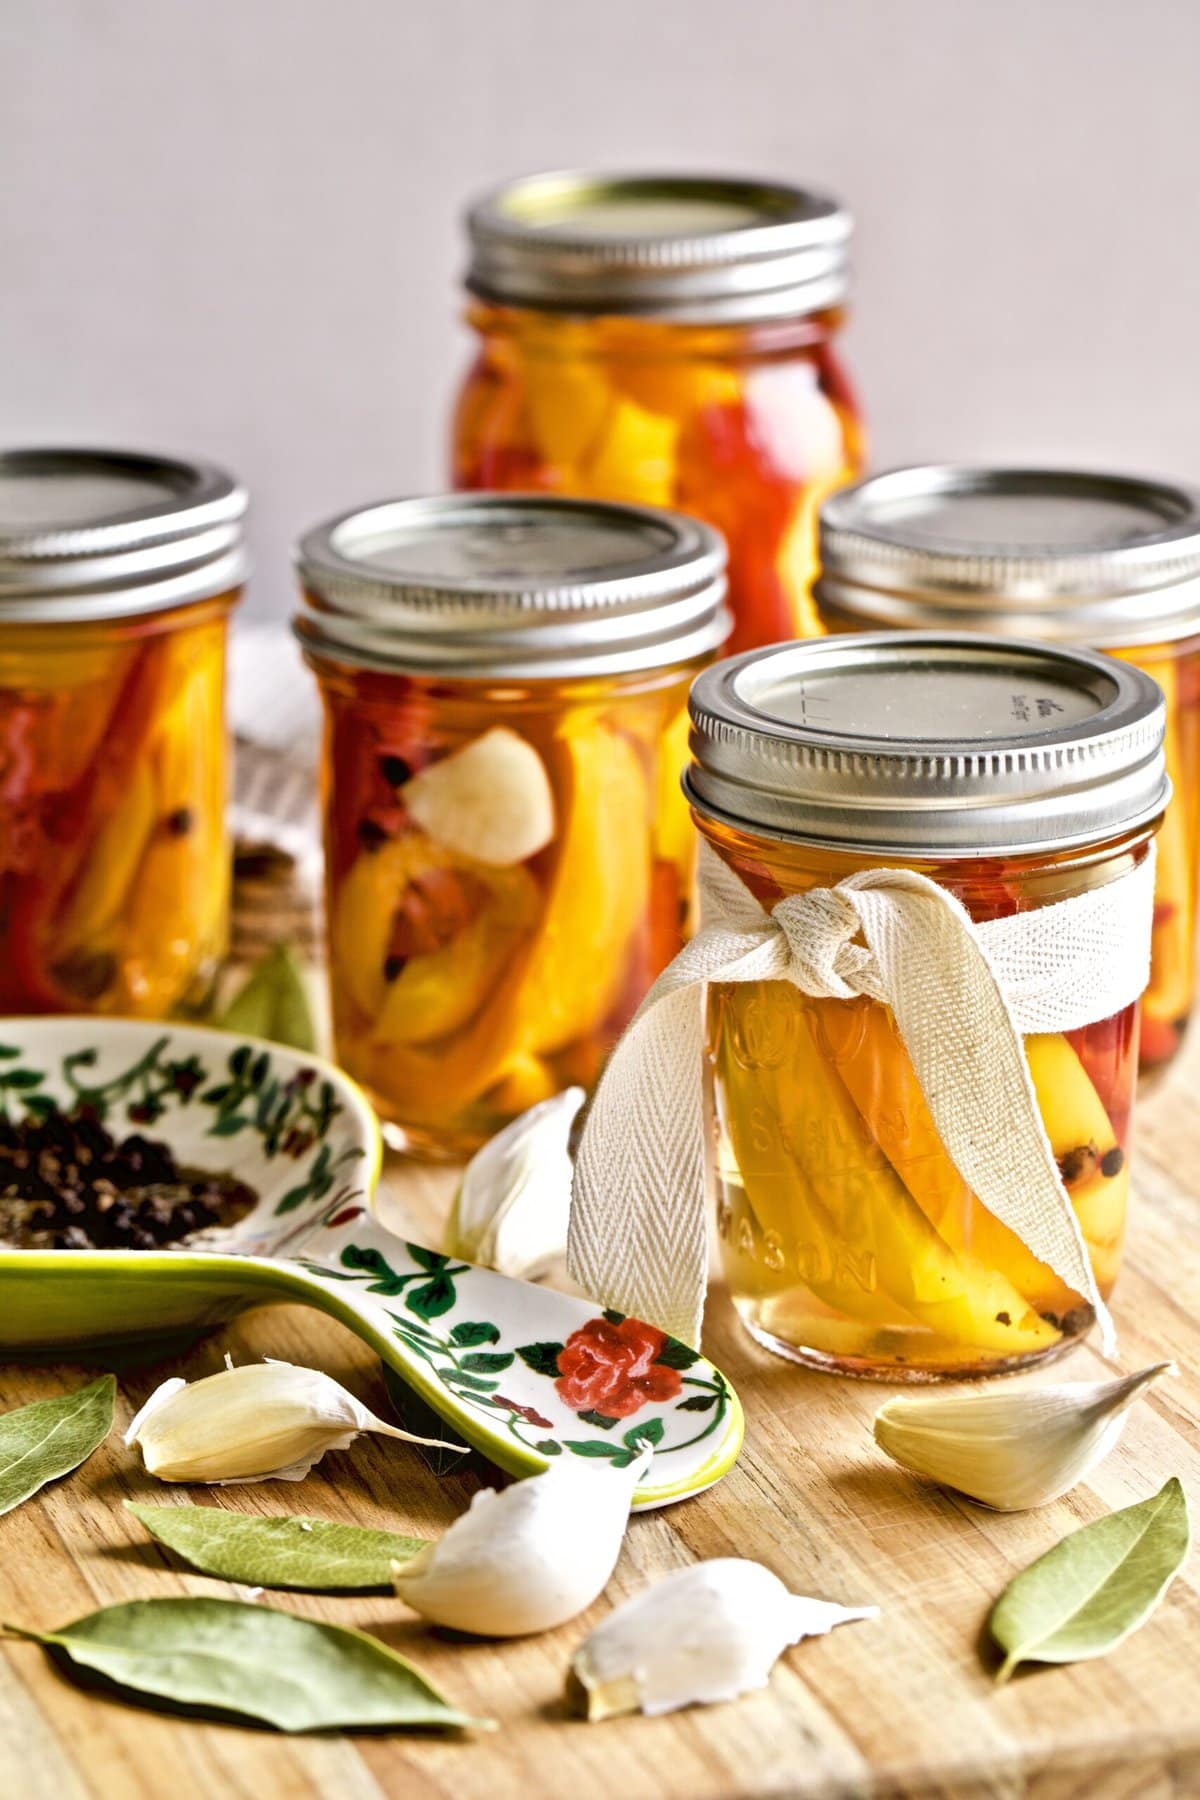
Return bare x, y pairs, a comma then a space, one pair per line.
651, 1432
319, 1555
23, 1078
1090, 1591
49, 1438
487, 1362
599, 1419
675, 1355
373, 1262
459, 1378
427, 1259
432, 1298
542, 1358
252, 1661
474, 1331
273, 1003
228, 1125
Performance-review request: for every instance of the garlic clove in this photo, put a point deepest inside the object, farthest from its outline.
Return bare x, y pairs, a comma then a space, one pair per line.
491, 800
268, 1421
514, 1201
702, 1635
1016, 1448
524, 1558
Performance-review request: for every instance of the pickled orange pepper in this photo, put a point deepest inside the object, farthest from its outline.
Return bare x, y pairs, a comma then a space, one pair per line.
113, 856
464, 992
844, 1224
747, 428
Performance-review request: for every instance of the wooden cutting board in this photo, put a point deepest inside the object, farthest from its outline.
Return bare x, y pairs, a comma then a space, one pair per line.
904, 1705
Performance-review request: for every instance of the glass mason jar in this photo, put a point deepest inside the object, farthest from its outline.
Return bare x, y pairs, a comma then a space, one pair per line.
671, 341
117, 575
1107, 561
508, 851
1015, 776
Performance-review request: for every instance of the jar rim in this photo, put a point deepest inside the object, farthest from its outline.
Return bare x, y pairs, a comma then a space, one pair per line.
929, 744
96, 534
523, 585
690, 248
1064, 555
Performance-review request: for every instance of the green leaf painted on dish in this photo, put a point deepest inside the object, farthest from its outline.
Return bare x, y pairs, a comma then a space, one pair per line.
273, 1003
1090, 1591
49, 1438
317, 1555
541, 1358
252, 1661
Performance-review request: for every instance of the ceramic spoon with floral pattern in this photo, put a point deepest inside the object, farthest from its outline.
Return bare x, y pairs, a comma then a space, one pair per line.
523, 1373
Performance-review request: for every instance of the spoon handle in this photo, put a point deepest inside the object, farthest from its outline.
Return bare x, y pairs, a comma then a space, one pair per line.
524, 1373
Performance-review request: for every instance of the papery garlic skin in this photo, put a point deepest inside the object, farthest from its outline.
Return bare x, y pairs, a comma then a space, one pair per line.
514, 1201
702, 1635
268, 1421
1016, 1448
527, 1557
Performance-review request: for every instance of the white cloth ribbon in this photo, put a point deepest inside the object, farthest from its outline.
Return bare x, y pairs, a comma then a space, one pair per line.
962, 996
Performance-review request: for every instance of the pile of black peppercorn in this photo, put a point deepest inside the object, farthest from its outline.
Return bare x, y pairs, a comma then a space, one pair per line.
67, 1183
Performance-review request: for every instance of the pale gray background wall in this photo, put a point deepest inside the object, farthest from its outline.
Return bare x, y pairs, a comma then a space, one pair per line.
230, 226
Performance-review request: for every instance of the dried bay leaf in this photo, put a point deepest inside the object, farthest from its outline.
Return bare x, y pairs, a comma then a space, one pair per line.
49, 1438
317, 1555
226, 1657
273, 1003
1090, 1591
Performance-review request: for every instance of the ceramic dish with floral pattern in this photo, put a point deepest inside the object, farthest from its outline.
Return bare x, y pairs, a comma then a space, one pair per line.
523, 1373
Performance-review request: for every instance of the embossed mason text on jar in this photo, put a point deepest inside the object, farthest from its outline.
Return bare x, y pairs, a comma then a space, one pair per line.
509, 853
1109, 561
669, 340
117, 576
1026, 782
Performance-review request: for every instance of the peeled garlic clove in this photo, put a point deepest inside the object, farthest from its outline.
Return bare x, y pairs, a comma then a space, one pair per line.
514, 1201
268, 1421
1016, 1448
491, 800
527, 1557
704, 1634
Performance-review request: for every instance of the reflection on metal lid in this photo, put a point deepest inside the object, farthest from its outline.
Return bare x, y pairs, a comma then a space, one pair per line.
499, 583
1077, 557
95, 534
929, 744
698, 249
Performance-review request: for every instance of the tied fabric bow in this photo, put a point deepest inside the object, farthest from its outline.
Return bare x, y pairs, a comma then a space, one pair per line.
962, 996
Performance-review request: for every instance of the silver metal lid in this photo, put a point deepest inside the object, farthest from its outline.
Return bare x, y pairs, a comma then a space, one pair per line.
928, 744
696, 249
101, 534
512, 585
1107, 560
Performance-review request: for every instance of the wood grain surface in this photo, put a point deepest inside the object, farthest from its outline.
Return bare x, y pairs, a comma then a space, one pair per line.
904, 1705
